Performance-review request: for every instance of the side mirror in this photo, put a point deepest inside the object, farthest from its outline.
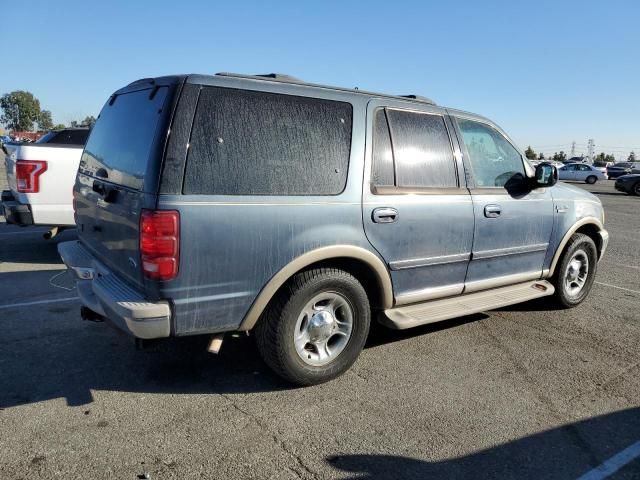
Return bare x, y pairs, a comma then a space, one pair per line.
546, 175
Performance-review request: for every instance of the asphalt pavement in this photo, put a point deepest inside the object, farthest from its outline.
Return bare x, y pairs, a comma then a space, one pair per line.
523, 392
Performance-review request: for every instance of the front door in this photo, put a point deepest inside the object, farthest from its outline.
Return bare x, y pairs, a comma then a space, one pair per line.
417, 211
512, 231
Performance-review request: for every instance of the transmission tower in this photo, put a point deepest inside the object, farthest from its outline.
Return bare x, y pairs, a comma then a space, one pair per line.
573, 149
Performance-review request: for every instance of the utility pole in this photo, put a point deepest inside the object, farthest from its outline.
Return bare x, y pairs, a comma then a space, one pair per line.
591, 146
573, 149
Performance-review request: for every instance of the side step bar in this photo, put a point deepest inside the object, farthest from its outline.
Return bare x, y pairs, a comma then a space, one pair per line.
437, 310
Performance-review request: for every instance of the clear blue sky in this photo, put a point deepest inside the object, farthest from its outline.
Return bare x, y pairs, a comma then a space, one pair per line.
548, 72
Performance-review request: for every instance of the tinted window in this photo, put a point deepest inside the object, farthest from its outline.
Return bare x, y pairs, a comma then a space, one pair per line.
66, 137
493, 159
383, 169
422, 150
122, 138
255, 143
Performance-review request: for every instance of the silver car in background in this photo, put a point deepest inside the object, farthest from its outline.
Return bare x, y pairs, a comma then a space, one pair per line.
581, 172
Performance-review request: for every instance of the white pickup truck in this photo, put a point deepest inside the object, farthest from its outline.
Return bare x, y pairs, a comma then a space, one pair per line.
40, 177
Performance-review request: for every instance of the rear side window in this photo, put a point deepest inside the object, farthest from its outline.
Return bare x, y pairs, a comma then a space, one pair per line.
121, 141
422, 150
255, 143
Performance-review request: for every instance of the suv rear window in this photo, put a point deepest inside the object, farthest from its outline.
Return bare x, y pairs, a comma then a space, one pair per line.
255, 143
122, 138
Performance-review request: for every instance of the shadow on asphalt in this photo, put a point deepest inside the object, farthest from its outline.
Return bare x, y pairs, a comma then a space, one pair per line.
565, 452
32, 248
57, 355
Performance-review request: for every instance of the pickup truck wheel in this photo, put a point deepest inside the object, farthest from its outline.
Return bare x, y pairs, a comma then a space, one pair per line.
591, 179
316, 327
576, 271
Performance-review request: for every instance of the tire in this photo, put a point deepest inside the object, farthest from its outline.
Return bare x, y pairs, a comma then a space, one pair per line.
315, 304
577, 268
591, 179
635, 190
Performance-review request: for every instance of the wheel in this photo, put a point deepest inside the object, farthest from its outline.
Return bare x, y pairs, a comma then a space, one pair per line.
591, 179
576, 271
635, 190
316, 327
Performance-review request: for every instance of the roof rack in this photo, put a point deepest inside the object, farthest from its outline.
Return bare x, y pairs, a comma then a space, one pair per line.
419, 98
279, 77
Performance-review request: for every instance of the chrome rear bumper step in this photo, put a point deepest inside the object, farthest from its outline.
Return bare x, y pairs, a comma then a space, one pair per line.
437, 310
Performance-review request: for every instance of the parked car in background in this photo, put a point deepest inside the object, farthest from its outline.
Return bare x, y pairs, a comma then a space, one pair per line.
580, 172
629, 184
40, 176
622, 168
5, 139
302, 212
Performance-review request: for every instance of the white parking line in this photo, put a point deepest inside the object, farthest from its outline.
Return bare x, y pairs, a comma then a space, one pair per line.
614, 464
39, 302
619, 288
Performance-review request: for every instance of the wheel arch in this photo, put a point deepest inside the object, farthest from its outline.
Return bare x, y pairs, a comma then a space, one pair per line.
367, 267
589, 226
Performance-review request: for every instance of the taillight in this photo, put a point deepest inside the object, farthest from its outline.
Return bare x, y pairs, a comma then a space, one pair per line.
160, 243
28, 175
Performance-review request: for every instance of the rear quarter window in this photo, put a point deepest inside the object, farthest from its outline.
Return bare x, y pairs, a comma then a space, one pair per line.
256, 143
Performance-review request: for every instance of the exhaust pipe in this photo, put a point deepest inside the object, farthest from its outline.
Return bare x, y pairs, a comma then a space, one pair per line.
215, 344
52, 233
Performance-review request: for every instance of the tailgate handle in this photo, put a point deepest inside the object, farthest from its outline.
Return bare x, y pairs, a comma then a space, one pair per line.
107, 193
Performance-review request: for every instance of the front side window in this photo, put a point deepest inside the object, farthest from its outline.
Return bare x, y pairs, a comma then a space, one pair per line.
422, 150
255, 143
494, 161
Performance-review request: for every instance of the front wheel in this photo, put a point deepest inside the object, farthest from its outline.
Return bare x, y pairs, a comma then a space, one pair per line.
635, 190
316, 327
591, 179
576, 271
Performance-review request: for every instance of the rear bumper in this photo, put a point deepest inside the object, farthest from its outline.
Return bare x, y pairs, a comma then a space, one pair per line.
104, 293
15, 212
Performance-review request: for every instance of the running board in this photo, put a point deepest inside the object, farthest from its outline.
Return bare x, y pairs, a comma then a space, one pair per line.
438, 310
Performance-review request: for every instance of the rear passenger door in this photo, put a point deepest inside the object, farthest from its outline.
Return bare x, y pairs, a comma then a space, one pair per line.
417, 211
512, 228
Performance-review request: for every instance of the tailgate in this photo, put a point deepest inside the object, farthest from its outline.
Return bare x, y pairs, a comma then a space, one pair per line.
115, 179
10, 165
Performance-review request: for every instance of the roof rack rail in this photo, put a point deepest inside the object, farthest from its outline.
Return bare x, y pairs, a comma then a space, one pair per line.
419, 99
279, 77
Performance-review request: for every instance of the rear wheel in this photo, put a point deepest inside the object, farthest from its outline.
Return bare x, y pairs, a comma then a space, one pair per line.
591, 179
316, 327
635, 190
576, 271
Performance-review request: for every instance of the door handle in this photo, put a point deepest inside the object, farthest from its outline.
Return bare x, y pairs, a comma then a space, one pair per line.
492, 211
385, 215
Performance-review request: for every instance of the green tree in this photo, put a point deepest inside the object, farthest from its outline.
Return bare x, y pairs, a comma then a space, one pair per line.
73, 124
59, 126
20, 110
559, 157
529, 153
632, 156
541, 156
89, 121
45, 122
609, 158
